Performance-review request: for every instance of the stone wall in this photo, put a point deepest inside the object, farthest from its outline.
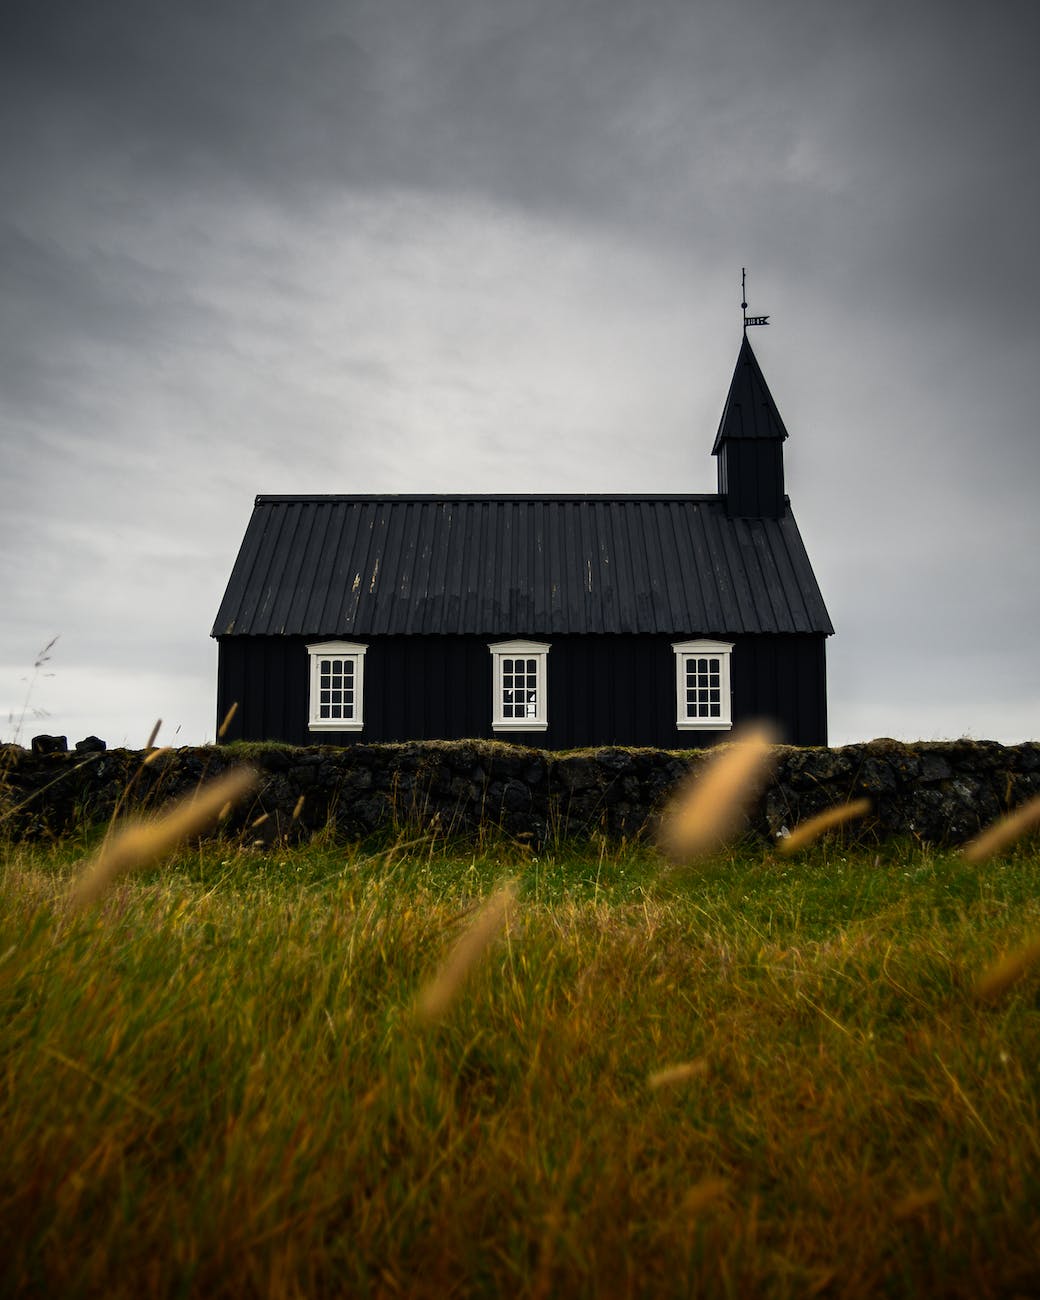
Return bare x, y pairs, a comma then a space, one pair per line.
942, 792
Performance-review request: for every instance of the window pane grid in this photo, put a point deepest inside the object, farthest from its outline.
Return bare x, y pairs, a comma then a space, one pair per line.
337, 678
703, 687
519, 688
336, 690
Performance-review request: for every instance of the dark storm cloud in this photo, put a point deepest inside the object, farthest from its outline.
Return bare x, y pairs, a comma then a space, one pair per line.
410, 231
635, 112
60, 302
912, 125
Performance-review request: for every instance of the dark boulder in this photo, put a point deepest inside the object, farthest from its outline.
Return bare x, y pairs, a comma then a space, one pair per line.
50, 744
934, 767
516, 797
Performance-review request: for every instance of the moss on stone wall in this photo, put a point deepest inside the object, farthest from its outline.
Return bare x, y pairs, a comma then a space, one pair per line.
940, 791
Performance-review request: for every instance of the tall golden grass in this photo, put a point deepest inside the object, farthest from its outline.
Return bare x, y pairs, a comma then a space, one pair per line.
673, 1074
1007, 972
148, 840
228, 717
740, 1147
996, 838
436, 998
811, 829
707, 808
1004, 832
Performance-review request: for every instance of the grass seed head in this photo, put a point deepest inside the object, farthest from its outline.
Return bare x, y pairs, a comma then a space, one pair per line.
222, 729
1007, 972
145, 842
916, 1202
704, 1193
672, 1074
814, 827
708, 807
153, 733
1003, 833
437, 997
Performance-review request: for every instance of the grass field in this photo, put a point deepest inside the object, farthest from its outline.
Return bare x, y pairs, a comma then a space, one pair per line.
763, 1076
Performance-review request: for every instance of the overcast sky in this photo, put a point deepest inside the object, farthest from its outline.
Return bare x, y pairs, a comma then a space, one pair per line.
495, 245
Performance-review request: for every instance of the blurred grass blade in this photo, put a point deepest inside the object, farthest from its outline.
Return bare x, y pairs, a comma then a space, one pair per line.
222, 729
437, 997
916, 1202
1004, 832
672, 1074
704, 1193
999, 978
144, 842
814, 827
709, 806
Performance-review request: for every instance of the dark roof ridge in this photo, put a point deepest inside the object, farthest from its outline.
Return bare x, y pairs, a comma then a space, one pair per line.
270, 498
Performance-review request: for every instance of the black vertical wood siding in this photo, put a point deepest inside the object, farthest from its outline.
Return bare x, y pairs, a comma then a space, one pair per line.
603, 690
751, 477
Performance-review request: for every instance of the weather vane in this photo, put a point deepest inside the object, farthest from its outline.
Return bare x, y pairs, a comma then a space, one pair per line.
748, 320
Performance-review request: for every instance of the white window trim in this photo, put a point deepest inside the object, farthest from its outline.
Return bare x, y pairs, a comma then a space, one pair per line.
536, 650
338, 650
721, 650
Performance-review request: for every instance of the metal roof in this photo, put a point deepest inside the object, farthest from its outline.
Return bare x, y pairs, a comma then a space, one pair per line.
517, 565
750, 411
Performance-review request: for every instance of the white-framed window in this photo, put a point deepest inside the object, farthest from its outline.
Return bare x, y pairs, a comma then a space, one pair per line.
702, 692
337, 691
518, 685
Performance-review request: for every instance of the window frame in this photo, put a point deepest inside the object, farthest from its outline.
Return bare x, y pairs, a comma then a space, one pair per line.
336, 650
698, 649
539, 652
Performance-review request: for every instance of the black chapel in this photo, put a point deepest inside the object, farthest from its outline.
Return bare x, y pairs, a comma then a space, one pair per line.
555, 621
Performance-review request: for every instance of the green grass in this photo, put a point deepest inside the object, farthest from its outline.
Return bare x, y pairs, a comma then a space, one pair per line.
212, 1084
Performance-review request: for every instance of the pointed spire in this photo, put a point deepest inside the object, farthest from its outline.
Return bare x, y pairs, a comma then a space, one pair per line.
750, 411
750, 444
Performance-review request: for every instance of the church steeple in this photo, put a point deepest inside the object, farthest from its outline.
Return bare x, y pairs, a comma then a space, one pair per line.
749, 443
